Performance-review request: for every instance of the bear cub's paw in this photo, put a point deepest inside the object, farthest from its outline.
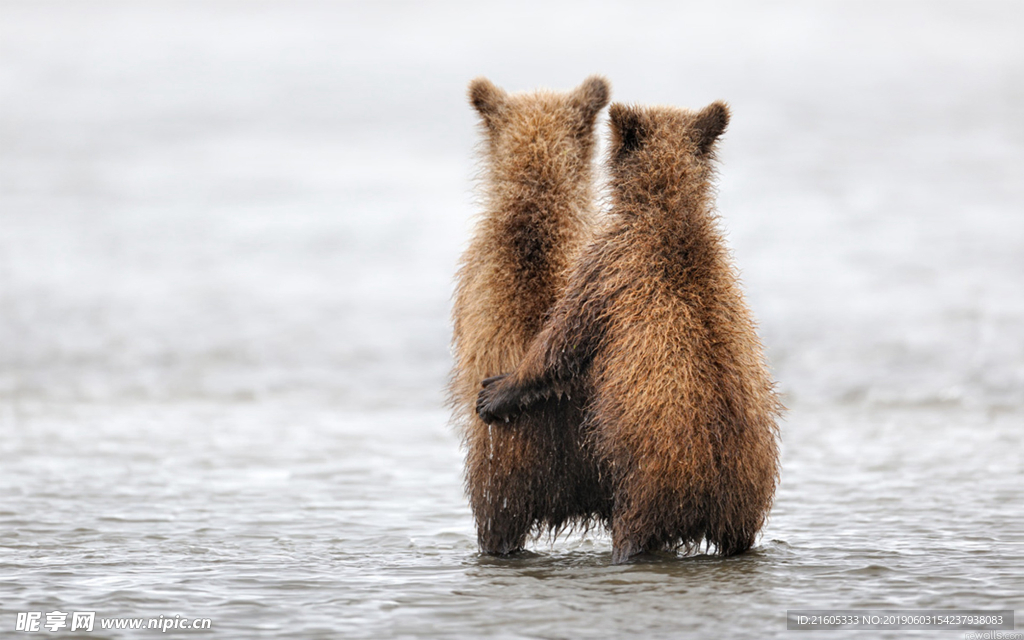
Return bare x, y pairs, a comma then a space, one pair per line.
497, 401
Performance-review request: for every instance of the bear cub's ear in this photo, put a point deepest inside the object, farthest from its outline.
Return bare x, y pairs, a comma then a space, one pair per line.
486, 98
709, 124
628, 130
592, 96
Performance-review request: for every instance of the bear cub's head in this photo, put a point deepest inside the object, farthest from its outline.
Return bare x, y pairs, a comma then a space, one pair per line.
664, 143
540, 136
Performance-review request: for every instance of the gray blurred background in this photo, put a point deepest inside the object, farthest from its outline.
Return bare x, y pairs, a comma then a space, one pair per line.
228, 232
254, 200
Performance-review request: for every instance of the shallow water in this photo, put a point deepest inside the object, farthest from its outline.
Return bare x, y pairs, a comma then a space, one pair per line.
297, 521
227, 237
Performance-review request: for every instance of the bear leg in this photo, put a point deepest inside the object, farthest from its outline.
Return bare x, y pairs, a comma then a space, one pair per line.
624, 550
502, 498
628, 537
502, 524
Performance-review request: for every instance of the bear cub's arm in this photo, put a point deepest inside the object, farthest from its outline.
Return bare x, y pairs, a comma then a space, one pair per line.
501, 399
508, 395
557, 358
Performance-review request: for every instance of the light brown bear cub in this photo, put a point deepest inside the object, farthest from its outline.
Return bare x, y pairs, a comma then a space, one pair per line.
653, 335
538, 198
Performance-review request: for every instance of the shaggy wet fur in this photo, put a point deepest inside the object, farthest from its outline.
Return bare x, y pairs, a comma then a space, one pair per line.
538, 199
653, 336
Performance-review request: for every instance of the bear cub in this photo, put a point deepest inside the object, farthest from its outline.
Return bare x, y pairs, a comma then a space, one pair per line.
538, 196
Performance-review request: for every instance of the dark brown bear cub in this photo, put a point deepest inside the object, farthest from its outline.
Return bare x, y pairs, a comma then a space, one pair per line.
653, 336
538, 198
